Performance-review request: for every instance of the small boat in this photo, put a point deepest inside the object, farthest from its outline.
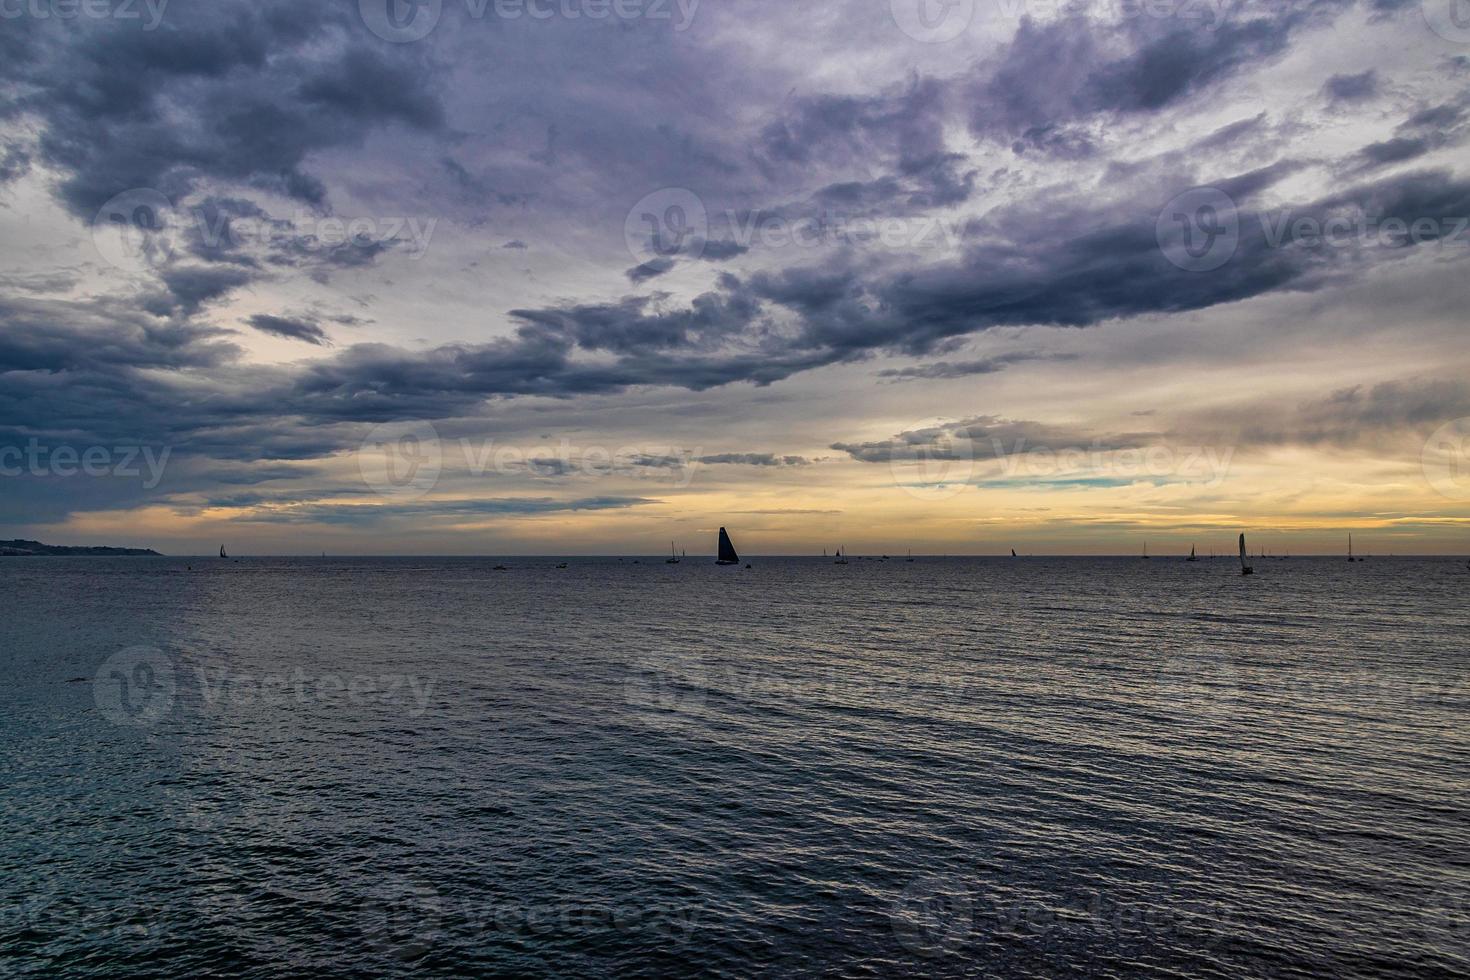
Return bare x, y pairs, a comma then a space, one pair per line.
222, 552
673, 558
499, 568
1192, 555
1244, 568
727, 555
1145, 551
911, 555
840, 559
1013, 553
562, 565
1350, 548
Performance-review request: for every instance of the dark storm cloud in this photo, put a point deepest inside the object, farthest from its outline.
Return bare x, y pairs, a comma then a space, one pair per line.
229, 90
1396, 150
290, 328
1352, 88
943, 370
720, 250
649, 270
753, 459
240, 99
1167, 61
1087, 267
190, 288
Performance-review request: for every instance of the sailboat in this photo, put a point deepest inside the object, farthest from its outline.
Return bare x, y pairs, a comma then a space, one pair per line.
1192, 555
673, 559
1013, 553
1244, 568
911, 555
727, 555
841, 559
1350, 548
222, 552
1145, 550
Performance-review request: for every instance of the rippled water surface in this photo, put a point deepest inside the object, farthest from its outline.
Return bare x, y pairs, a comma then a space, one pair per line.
1031, 767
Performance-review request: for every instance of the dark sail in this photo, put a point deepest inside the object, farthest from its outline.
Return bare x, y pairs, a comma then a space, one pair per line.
727, 551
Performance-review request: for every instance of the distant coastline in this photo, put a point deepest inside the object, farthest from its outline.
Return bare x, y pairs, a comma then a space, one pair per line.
29, 549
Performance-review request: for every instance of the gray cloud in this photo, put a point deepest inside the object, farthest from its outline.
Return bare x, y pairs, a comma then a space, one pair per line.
290, 328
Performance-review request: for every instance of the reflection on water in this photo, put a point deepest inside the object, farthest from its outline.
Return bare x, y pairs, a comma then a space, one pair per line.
1043, 767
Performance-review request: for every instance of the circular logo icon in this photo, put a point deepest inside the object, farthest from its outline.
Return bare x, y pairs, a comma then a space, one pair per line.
1445, 918
933, 462
933, 916
1450, 19
135, 687
667, 223
401, 919
400, 21
666, 690
1446, 460
932, 21
401, 460
1199, 230
129, 229
1199, 689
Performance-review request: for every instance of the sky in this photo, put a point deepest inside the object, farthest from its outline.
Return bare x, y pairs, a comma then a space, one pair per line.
595, 276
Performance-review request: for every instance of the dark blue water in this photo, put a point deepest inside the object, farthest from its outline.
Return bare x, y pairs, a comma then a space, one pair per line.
1039, 767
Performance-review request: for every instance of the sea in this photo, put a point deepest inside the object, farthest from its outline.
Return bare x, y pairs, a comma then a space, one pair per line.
1031, 767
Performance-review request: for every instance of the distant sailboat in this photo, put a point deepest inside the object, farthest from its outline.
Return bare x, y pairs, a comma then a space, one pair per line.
673, 558
1244, 568
1145, 550
1350, 548
222, 552
727, 555
1013, 553
841, 559
911, 555
1192, 555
